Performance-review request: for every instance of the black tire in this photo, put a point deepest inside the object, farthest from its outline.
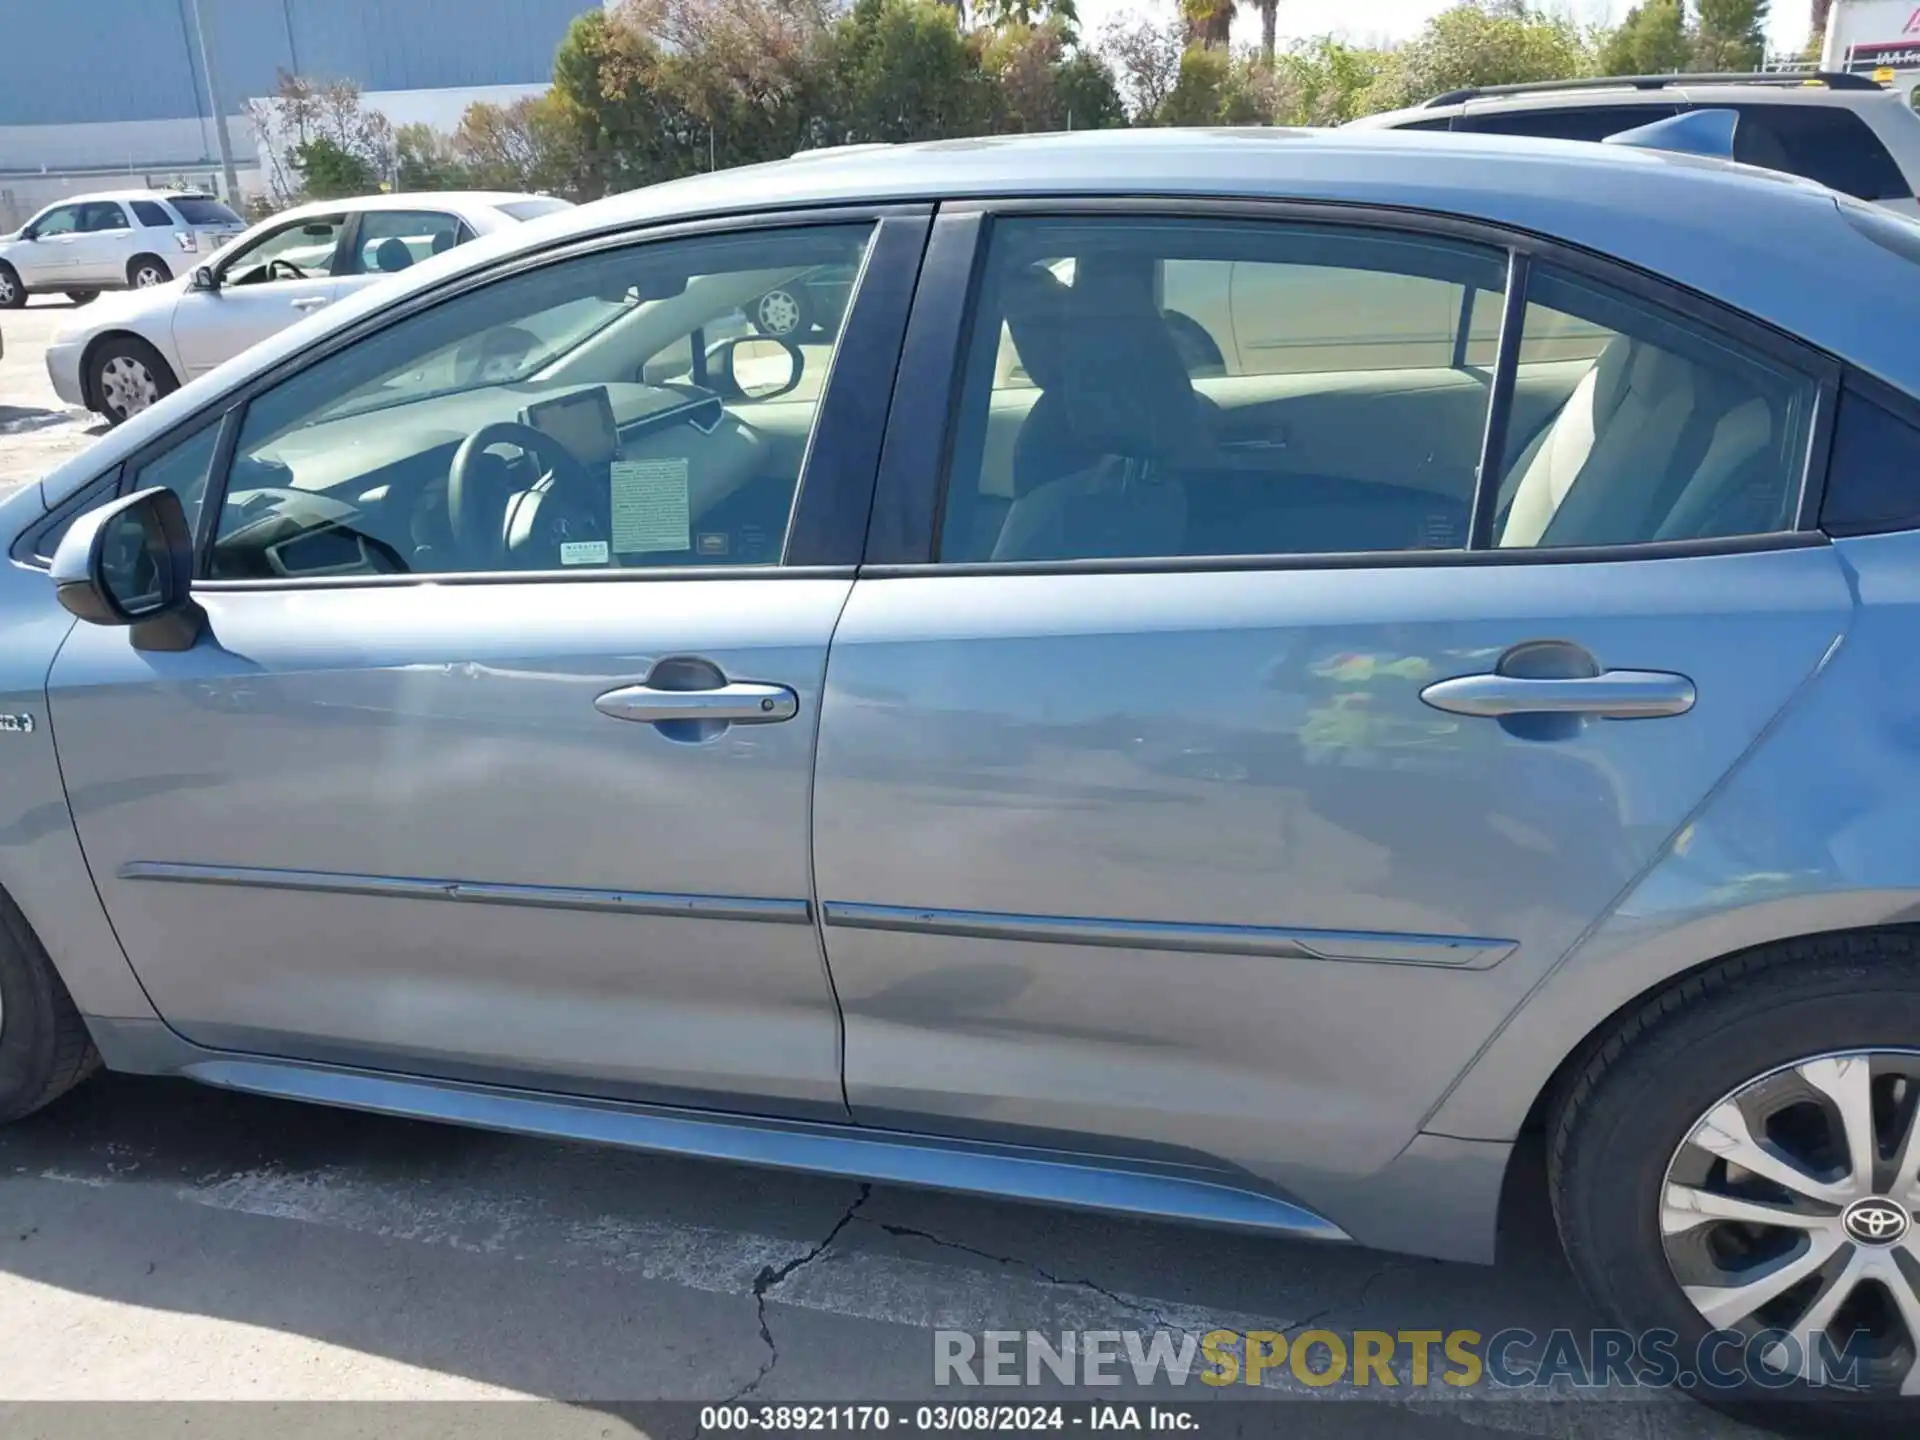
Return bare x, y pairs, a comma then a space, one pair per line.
104, 371
146, 271
13, 293
83, 297
44, 1047
1625, 1113
784, 312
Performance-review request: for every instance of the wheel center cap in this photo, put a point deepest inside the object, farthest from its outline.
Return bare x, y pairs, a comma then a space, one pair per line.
1875, 1220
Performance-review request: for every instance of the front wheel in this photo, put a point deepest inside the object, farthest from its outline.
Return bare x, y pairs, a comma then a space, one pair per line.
13, 290
125, 375
44, 1046
1739, 1164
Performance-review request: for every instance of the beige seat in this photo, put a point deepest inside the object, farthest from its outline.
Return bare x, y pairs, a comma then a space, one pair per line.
1649, 446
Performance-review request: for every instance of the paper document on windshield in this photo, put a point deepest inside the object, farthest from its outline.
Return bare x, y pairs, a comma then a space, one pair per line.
650, 511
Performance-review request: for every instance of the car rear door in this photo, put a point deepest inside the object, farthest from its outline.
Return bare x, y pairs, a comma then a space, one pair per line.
514, 786
1188, 797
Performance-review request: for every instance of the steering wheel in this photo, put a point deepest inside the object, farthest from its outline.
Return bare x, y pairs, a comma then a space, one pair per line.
284, 270
561, 470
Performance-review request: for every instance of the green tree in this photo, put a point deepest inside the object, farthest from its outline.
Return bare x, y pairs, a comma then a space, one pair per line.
1028, 13
1143, 55
901, 70
1324, 81
1481, 42
1088, 98
331, 171
1269, 29
1730, 34
1045, 84
1654, 39
1209, 22
532, 144
424, 159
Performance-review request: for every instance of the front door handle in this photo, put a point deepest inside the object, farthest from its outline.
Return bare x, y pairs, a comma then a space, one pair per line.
738, 702
307, 302
1612, 694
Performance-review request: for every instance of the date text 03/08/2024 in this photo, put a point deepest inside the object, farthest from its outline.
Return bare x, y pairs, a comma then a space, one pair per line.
941, 1419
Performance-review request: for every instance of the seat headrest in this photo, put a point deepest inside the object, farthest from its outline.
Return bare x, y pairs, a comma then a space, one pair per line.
392, 254
442, 241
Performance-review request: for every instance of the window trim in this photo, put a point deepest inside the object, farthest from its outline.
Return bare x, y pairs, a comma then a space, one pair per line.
826, 530
914, 475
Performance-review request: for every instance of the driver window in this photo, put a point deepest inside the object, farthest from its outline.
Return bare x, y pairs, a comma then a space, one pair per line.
64, 221
621, 410
300, 251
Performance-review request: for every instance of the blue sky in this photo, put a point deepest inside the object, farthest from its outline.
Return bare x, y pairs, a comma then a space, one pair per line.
1381, 20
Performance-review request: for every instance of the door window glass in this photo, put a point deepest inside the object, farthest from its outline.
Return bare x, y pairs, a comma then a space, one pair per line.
1666, 434
302, 250
63, 221
1822, 142
1174, 388
391, 240
102, 215
153, 216
560, 419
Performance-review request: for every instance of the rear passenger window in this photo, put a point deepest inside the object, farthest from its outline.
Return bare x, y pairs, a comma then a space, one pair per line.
1823, 143
1665, 434
150, 214
1565, 122
391, 240
1178, 388
1873, 474
1183, 388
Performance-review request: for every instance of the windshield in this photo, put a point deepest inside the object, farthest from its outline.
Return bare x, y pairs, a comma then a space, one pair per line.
203, 210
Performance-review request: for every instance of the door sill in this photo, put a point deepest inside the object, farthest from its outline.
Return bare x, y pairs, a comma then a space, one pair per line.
890, 1157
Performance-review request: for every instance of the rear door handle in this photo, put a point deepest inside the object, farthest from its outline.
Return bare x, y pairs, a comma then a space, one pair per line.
739, 702
307, 302
1613, 694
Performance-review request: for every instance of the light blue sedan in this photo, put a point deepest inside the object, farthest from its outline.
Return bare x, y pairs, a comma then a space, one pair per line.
1237, 674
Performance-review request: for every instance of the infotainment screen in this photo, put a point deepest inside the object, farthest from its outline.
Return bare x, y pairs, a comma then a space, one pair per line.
582, 422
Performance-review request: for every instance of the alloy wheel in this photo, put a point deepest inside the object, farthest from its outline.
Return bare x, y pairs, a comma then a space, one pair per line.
148, 276
7, 288
778, 313
1790, 1206
127, 386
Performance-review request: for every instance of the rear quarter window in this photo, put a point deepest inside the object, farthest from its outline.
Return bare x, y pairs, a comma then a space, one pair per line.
1821, 142
151, 215
1873, 473
204, 210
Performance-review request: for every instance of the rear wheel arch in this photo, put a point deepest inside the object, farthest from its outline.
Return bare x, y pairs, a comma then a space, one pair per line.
1696, 984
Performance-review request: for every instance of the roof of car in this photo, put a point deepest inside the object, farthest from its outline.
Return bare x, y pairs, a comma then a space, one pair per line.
131, 195
1772, 245
410, 200
1585, 97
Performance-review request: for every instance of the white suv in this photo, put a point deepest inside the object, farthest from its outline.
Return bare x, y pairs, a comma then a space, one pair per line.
1843, 130
123, 239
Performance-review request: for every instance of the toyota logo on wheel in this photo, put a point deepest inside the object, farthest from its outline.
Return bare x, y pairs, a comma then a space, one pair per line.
1874, 1221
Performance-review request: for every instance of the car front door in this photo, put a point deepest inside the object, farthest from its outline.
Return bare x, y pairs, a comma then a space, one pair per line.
495, 757
1208, 781
46, 261
281, 276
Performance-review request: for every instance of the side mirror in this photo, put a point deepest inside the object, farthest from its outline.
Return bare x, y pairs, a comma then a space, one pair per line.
204, 278
755, 367
131, 563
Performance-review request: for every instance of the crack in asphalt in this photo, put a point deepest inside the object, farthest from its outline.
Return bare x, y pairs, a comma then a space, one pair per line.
770, 1279
1065, 1282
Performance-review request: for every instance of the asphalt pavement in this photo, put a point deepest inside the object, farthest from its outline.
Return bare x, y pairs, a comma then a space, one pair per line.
165, 1243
